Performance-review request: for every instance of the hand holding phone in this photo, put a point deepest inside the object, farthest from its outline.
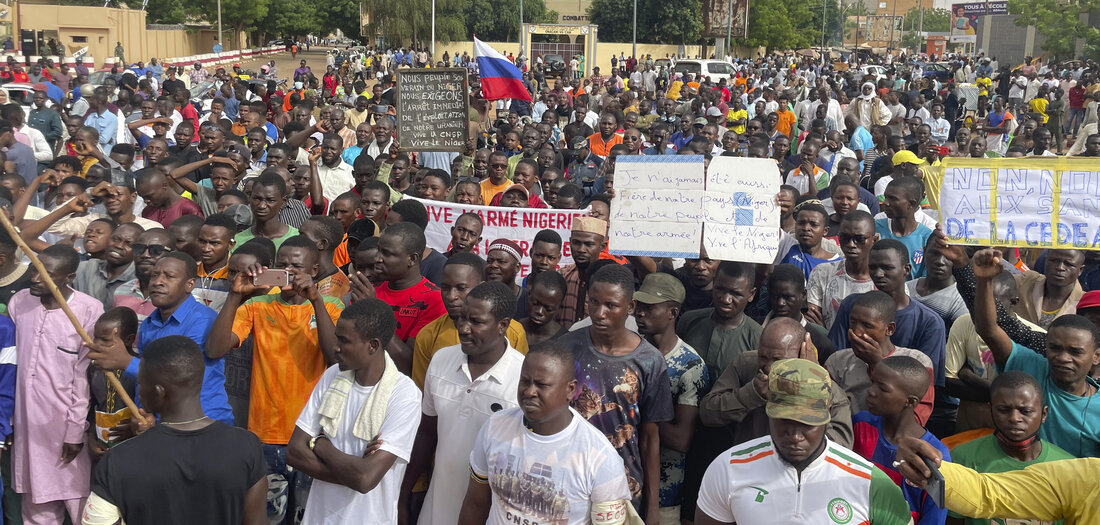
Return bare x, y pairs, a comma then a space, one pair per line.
272, 277
934, 485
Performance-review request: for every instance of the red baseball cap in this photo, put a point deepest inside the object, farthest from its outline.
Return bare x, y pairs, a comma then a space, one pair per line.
1089, 300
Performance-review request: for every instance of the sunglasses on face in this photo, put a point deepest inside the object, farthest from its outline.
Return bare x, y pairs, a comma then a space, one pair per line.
156, 250
858, 239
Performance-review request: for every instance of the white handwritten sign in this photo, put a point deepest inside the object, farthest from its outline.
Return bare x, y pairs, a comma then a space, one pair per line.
739, 209
658, 206
1047, 202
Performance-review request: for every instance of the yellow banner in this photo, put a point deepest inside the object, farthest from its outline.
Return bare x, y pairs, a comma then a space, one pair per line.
1033, 202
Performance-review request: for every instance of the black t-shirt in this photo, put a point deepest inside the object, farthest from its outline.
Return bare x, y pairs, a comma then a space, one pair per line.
170, 86
432, 267
128, 81
167, 476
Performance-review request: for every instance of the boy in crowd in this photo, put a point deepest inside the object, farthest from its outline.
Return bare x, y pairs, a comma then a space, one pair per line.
897, 384
543, 300
901, 206
1018, 412
625, 383
870, 327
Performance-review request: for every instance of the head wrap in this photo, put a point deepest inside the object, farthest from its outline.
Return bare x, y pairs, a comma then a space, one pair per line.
867, 97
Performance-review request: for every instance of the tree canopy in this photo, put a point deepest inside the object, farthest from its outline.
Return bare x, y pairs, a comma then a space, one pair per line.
1061, 23
659, 21
781, 24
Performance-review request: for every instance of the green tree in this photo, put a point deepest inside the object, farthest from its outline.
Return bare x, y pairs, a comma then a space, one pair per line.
835, 14
237, 15
659, 21
935, 21
291, 18
779, 24
615, 18
1060, 22
166, 12
339, 14
663, 22
498, 20
399, 23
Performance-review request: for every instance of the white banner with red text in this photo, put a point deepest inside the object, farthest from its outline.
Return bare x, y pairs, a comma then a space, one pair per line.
517, 224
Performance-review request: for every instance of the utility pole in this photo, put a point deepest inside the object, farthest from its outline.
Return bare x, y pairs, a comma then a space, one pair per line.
823, 4
634, 39
222, 42
729, 31
433, 31
920, 24
893, 17
521, 27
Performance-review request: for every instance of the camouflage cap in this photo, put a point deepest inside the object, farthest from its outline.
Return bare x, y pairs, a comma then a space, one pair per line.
799, 390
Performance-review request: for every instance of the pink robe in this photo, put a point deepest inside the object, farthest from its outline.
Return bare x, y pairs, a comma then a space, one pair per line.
51, 397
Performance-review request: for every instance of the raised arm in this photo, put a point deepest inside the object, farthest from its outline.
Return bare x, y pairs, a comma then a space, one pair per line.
30, 230
316, 191
987, 265
179, 175
48, 177
222, 339
966, 284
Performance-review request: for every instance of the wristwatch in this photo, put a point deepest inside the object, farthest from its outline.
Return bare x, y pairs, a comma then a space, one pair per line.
313, 442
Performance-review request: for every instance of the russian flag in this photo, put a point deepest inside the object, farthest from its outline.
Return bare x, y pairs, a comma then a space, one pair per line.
499, 77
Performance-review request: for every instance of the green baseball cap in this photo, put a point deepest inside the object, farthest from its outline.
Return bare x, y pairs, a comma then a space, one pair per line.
660, 287
799, 390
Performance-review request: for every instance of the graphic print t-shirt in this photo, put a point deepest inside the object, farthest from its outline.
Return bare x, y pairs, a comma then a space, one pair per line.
545, 479
414, 307
617, 394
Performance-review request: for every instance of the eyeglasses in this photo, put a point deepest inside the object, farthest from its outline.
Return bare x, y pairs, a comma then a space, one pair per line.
156, 250
845, 238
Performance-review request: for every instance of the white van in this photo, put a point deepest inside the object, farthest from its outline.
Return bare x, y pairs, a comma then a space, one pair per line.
715, 70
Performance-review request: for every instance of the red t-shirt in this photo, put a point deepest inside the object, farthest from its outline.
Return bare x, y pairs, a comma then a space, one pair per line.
188, 113
166, 216
414, 307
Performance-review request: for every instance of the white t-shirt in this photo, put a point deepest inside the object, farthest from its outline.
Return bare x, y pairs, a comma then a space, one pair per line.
828, 285
461, 405
334, 504
546, 479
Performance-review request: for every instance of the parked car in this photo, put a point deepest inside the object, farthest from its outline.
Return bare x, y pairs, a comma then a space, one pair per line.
555, 65
23, 94
936, 70
872, 73
715, 70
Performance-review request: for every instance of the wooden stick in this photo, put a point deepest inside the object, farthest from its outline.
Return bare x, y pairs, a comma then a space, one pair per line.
65, 307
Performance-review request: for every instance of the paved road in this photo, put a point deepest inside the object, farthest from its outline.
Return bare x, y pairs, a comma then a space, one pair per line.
286, 65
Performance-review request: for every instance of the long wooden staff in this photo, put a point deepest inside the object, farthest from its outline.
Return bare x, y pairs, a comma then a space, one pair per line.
65, 307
